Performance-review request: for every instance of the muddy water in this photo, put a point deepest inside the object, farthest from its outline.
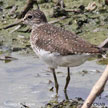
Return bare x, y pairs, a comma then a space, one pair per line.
26, 81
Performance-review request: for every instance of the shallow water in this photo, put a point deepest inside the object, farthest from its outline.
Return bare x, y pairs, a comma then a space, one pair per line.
26, 81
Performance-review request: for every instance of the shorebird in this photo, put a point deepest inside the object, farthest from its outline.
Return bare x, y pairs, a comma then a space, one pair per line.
57, 46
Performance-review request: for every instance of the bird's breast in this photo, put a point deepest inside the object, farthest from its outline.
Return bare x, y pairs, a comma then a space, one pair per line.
53, 60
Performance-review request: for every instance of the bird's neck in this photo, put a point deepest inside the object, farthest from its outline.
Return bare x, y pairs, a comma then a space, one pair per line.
37, 25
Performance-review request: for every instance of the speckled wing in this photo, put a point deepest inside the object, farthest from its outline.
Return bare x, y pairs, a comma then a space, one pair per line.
55, 39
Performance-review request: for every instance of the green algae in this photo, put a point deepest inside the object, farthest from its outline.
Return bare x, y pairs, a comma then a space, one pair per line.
103, 61
75, 103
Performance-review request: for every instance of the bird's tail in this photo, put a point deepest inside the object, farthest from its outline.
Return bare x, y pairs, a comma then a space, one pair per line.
104, 46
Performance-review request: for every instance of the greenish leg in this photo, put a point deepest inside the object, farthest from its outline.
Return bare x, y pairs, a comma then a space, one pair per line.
55, 80
67, 79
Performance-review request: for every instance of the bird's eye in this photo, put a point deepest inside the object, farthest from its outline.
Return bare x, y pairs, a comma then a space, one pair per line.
29, 17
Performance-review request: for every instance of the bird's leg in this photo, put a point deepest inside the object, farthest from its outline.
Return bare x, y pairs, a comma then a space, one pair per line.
67, 79
66, 95
55, 80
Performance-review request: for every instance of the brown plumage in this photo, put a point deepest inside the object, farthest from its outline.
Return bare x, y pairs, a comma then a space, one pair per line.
55, 39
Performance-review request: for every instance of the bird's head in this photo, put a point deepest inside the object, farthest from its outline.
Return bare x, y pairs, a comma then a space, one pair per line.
34, 17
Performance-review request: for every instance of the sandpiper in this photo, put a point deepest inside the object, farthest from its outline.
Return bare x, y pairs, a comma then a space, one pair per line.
56, 46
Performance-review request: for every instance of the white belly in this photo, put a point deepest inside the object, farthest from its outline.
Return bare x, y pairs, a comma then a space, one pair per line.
53, 60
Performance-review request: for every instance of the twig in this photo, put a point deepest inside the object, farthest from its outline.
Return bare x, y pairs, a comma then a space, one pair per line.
72, 10
16, 28
3, 58
60, 3
106, 2
25, 106
20, 22
55, 21
97, 89
104, 44
28, 7
12, 25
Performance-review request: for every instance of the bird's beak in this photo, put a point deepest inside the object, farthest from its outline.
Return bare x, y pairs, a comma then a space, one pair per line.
21, 20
